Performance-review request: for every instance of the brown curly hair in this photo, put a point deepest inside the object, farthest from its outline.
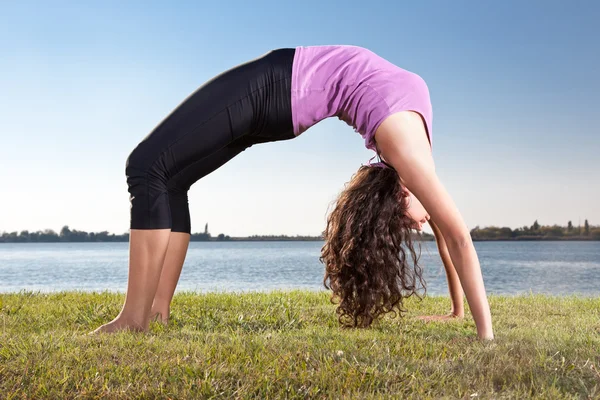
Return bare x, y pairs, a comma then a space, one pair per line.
368, 243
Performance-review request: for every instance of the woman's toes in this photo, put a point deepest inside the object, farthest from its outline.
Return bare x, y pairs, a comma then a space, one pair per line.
158, 317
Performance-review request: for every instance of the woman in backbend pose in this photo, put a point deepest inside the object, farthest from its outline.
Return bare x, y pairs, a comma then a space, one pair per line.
277, 97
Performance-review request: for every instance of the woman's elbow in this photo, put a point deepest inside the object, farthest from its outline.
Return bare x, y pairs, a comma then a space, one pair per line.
459, 241
457, 238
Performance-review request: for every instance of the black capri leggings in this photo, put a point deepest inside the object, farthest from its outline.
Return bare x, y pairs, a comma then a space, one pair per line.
245, 105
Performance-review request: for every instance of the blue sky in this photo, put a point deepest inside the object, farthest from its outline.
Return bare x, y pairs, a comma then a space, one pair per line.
514, 86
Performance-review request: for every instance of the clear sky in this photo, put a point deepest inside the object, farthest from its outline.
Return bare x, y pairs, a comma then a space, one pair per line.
514, 86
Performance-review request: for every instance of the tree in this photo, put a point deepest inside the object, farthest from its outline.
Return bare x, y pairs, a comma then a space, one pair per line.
206, 229
551, 231
24, 236
65, 233
506, 232
49, 236
586, 228
569, 227
221, 236
535, 226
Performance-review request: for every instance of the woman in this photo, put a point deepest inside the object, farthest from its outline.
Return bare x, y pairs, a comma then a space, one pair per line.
277, 97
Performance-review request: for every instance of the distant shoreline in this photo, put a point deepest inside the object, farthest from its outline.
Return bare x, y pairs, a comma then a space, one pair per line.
536, 232
317, 239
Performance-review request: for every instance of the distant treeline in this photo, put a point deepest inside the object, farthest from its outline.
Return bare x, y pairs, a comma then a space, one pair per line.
534, 232
68, 235
65, 235
538, 232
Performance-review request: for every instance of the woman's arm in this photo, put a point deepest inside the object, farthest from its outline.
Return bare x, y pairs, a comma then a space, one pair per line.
402, 140
456, 292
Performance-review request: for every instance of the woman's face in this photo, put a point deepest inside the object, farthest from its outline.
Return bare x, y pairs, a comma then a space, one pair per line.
416, 211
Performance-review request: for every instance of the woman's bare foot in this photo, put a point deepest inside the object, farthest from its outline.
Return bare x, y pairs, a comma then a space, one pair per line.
158, 317
117, 325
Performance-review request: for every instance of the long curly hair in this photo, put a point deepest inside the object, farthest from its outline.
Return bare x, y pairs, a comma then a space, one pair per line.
368, 244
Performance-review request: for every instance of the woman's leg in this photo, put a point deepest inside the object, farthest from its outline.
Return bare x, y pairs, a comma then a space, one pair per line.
147, 249
180, 215
250, 103
156, 257
171, 270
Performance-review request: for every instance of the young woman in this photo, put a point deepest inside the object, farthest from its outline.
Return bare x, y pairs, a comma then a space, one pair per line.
277, 97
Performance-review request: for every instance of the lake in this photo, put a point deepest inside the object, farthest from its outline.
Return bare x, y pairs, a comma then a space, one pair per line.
557, 268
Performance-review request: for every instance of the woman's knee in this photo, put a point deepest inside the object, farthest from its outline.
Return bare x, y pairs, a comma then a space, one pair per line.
135, 162
147, 185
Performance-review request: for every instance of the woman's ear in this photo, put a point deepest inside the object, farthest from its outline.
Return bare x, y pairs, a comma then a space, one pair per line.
405, 192
405, 197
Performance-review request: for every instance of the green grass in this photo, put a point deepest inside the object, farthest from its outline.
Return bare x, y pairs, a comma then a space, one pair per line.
289, 345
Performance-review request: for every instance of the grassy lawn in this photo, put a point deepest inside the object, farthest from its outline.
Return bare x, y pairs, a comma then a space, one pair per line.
289, 345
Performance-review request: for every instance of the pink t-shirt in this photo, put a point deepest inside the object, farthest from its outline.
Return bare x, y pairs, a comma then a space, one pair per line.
356, 85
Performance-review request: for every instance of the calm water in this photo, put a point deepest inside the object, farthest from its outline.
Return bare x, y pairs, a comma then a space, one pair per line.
508, 267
